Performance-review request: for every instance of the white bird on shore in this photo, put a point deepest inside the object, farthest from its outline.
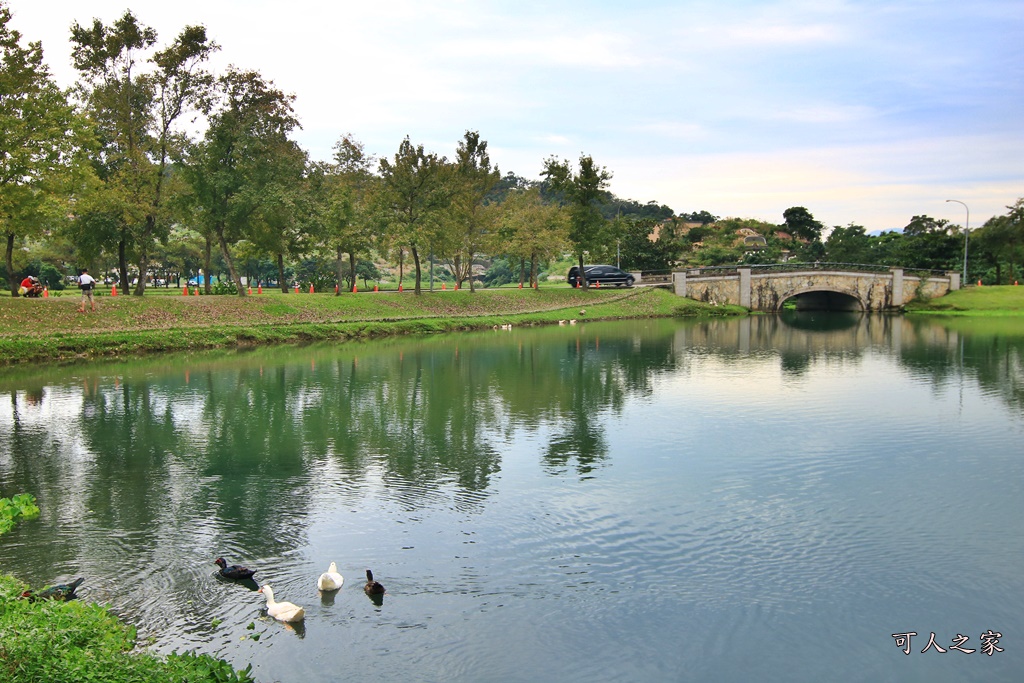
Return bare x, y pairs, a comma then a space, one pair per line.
330, 580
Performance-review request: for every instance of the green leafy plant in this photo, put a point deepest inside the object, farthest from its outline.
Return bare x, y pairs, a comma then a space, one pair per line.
79, 641
225, 287
21, 505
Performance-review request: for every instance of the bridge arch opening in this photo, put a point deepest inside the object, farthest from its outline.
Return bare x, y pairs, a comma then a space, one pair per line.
823, 300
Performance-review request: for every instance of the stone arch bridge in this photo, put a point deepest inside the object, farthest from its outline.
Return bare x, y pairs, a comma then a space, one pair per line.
814, 286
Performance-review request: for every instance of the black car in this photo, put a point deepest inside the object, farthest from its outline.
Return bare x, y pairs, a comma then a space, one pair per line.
603, 275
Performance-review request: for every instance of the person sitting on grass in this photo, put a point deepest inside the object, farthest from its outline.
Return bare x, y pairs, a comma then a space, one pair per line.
30, 287
86, 283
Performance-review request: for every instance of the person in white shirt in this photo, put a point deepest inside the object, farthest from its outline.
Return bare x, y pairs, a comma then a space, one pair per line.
86, 283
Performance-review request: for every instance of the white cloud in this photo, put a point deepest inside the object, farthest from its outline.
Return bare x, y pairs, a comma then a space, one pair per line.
862, 112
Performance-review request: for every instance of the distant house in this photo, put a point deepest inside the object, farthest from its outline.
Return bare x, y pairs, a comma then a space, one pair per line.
751, 239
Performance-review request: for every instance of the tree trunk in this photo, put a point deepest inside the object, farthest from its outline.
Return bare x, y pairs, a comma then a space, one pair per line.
419, 274
280, 273
522, 271
207, 260
122, 264
352, 268
401, 264
231, 264
9, 257
582, 276
533, 270
339, 268
140, 287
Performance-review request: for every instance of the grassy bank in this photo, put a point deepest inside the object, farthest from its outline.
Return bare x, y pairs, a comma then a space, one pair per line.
77, 641
993, 301
39, 330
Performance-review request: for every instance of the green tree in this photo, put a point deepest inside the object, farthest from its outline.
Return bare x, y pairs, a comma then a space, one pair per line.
37, 141
137, 111
1001, 241
583, 192
473, 218
346, 206
532, 230
238, 171
848, 245
801, 224
929, 243
412, 198
640, 252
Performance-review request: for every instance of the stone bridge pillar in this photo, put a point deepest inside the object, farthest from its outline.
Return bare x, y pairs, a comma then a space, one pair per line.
679, 283
897, 286
745, 287
954, 281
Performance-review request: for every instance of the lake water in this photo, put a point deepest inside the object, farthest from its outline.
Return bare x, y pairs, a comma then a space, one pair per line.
765, 499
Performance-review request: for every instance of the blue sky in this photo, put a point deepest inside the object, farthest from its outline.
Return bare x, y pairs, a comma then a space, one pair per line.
863, 112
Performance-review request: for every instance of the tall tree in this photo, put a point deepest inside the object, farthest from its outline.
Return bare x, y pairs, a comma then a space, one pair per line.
849, 244
929, 243
1001, 241
801, 224
532, 230
347, 199
473, 217
583, 191
411, 199
137, 103
37, 140
243, 166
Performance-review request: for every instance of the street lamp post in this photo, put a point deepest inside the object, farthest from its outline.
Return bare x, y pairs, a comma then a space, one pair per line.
967, 232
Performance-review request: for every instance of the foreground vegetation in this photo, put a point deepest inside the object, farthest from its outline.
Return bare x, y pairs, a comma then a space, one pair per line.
52, 329
76, 641
1002, 301
50, 640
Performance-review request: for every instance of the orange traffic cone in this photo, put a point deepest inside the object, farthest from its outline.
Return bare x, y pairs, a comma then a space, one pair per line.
296, 287
443, 286
184, 291
375, 288
250, 290
46, 292
336, 290
597, 284
259, 288
197, 292
113, 290
520, 285
399, 286
979, 283
354, 288
456, 286
310, 287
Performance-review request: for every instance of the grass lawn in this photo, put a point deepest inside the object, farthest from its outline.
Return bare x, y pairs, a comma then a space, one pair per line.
52, 329
992, 301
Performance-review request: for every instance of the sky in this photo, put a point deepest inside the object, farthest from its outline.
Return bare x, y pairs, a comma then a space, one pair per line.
863, 112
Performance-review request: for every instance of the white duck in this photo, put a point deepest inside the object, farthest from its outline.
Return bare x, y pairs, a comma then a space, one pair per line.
330, 580
282, 611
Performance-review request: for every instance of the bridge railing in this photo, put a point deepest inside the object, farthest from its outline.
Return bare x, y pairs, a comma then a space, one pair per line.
792, 267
